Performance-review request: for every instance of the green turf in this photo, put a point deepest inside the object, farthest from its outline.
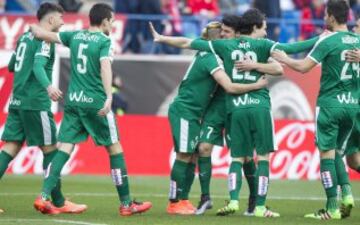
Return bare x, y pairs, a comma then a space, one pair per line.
18, 192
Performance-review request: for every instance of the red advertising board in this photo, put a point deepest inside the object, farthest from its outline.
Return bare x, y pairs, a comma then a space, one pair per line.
148, 147
12, 26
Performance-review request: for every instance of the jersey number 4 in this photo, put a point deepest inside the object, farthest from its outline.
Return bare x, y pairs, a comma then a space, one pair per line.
344, 70
82, 59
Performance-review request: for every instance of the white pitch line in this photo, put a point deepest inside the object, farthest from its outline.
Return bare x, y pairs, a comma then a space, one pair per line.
101, 194
23, 220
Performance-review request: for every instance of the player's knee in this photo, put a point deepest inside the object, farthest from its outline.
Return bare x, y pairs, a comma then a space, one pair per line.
185, 157
248, 159
205, 149
12, 148
330, 154
47, 148
66, 147
114, 149
353, 161
238, 159
264, 157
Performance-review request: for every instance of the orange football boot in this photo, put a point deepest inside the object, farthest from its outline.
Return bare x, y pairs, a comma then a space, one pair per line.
134, 208
71, 207
179, 208
45, 206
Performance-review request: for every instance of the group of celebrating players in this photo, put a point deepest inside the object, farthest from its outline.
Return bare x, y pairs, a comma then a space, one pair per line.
223, 96
224, 90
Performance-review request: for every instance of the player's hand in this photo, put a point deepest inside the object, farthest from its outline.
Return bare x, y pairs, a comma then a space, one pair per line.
279, 56
245, 65
54, 93
155, 34
352, 55
262, 82
106, 108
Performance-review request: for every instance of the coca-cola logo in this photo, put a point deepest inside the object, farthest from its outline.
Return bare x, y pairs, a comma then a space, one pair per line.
29, 160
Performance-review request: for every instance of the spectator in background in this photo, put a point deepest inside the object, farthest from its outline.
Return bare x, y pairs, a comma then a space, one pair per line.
131, 42
271, 8
236, 7
313, 11
71, 5
207, 8
355, 6
172, 27
2, 6
119, 105
300, 4
149, 7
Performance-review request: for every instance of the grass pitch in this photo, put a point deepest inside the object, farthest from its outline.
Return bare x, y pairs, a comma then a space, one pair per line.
292, 199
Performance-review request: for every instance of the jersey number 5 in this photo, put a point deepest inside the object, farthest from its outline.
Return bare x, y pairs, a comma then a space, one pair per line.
82, 59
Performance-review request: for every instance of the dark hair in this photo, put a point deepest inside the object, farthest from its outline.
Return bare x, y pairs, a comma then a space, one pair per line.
47, 8
231, 21
339, 9
251, 18
98, 13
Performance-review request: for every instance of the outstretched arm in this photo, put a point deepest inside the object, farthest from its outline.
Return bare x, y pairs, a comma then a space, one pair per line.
43, 34
233, 88
297, 47
179, 42
300, 65
272, 67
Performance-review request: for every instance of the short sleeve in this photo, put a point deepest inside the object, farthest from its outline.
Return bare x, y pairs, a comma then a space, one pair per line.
43, 49
65, 37
213, 63
268, 45
320, 51
201, 45
106, 51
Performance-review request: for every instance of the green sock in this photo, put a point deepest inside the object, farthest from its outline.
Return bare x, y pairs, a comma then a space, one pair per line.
263, 182
342, 176
57, 197
250, 175
189, 180
329, 181
177, 180
120, 178
235, 180
5, 159
53, 173
205, 171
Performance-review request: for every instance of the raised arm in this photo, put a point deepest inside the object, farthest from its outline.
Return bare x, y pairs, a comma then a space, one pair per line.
272, 67
234, 88
43, 34
179, 42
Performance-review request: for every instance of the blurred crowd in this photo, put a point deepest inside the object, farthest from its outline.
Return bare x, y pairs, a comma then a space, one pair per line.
188, 16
